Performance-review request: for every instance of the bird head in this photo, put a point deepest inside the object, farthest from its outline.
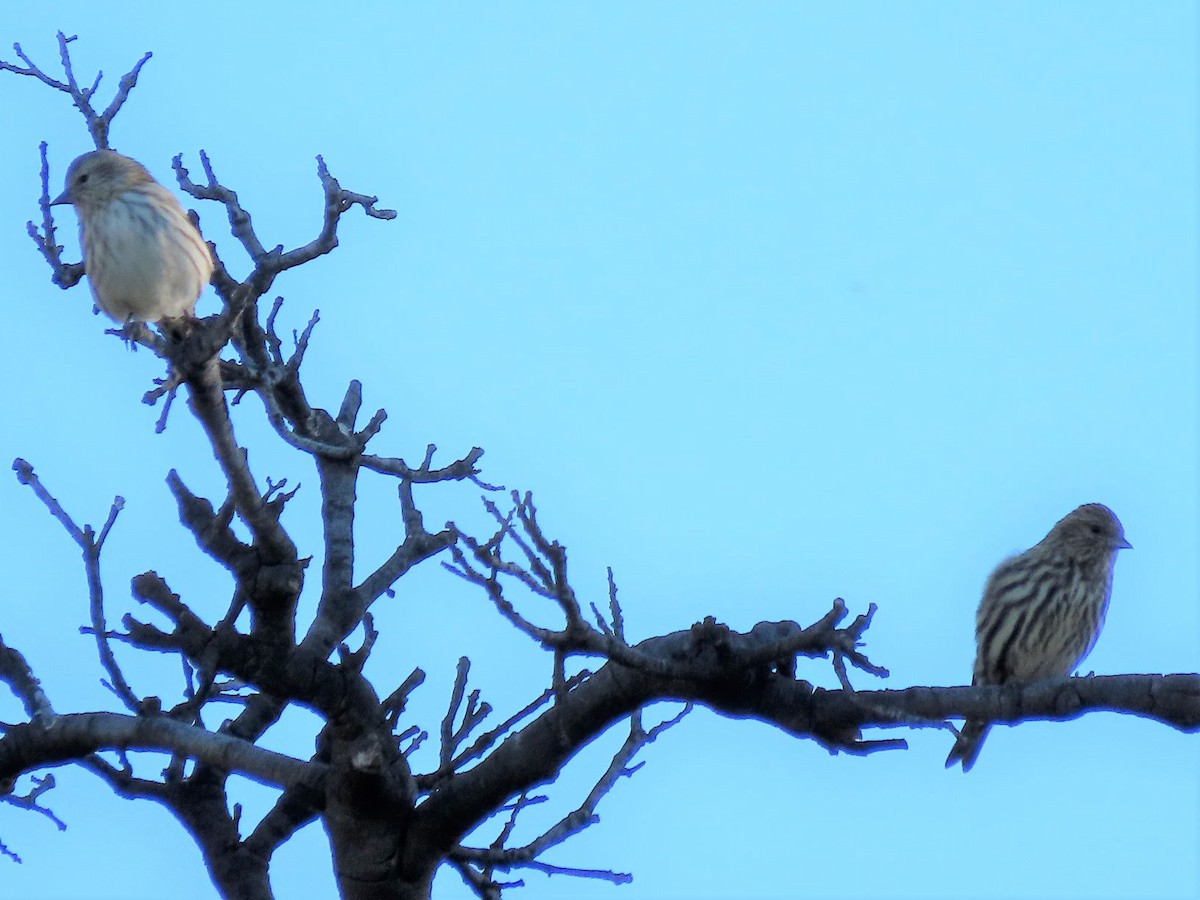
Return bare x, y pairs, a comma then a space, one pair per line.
98, 177
1089, 529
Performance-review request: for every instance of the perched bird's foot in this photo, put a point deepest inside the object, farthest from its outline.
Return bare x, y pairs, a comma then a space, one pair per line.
132, 333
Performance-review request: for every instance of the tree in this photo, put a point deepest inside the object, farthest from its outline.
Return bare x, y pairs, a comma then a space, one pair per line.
390, 827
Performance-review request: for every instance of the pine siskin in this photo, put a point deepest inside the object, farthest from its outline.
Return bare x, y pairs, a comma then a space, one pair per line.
1043, 609
144, 258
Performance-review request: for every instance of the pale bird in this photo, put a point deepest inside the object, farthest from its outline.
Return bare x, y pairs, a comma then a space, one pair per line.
145, 260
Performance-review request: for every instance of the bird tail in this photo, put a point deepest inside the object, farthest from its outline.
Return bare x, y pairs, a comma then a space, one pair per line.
966, 747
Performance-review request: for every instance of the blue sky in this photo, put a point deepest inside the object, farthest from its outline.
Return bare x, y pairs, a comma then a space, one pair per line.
768, 304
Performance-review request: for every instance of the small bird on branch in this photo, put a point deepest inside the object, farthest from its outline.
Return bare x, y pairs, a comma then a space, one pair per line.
1043, 609
144, 258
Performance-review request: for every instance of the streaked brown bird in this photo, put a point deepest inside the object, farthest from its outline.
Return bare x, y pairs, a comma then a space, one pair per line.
1043, 609
144, 258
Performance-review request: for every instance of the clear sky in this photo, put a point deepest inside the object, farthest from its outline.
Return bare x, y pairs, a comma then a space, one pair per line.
768, 304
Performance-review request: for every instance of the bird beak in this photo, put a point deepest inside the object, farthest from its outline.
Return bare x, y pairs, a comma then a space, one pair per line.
61, 200
1122, 544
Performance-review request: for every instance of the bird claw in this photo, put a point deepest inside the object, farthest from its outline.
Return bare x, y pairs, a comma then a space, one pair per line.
131, 334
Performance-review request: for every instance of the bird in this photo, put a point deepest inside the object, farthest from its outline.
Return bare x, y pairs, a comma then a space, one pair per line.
1042, 610
145, 260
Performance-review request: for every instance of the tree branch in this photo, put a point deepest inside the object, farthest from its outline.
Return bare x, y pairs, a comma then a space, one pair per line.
17, 674
719, 677
75, 735
97, 123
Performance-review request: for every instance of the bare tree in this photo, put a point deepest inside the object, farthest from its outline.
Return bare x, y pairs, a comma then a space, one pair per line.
391, 827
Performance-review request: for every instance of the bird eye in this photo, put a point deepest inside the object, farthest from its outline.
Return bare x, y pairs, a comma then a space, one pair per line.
82, 178
1095, 529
